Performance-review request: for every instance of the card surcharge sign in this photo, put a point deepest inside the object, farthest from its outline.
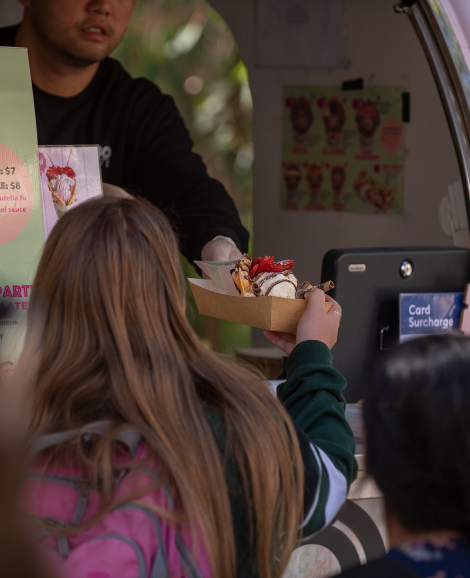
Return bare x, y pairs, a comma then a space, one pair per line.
427, 313
343, 150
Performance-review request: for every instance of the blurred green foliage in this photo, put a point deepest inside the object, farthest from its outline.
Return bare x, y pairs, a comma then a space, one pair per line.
185, 48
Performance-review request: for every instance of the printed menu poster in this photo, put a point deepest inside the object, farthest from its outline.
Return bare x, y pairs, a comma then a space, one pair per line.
70, 175
343, 150
21, 224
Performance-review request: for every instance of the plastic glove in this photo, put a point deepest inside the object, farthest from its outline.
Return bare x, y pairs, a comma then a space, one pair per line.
220, 249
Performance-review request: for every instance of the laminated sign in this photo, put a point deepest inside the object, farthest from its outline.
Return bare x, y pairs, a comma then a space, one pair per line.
21, 222
426, 313
69, 176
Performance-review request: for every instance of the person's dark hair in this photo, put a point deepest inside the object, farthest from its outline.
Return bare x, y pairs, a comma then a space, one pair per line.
417, 422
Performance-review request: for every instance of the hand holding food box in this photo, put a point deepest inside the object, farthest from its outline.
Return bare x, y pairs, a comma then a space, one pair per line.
275, 296
315, 324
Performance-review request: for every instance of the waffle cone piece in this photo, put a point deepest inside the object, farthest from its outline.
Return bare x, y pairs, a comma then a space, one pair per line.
58, 200
241, 276
306, 287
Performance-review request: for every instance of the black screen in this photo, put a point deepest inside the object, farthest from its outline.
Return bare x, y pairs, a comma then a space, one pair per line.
368, 283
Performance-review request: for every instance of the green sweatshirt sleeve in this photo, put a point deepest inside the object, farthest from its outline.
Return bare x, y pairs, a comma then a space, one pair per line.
312, 396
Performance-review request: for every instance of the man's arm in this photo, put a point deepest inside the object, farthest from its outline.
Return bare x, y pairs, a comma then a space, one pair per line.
174, 178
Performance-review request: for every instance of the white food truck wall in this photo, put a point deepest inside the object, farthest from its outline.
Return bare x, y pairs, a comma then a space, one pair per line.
382, 44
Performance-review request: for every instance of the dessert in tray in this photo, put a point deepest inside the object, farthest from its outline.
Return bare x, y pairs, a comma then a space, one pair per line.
265, 277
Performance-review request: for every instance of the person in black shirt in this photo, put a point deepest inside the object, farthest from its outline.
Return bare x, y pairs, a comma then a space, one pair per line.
82, 96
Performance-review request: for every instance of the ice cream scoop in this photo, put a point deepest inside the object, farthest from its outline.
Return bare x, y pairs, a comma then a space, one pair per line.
275, 284
265, 277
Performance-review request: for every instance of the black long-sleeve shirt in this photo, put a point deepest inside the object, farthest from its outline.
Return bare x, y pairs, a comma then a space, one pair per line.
145, 148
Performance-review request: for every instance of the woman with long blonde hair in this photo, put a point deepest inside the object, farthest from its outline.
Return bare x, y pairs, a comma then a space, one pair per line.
131, 415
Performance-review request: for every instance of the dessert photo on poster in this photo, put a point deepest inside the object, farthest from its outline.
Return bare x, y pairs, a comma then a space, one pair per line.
343, 150
69, 175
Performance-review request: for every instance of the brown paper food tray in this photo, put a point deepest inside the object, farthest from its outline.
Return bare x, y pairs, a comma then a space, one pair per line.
271, 313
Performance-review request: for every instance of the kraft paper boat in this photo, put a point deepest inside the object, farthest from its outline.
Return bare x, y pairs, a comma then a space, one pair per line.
218, 297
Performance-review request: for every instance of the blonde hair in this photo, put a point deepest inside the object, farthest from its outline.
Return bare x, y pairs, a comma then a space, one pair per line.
116, 345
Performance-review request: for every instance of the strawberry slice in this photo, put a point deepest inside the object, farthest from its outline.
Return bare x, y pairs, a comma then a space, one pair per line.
287, 264
273, 268
52, 173
253, 270
263, 264
68, 172
256, 261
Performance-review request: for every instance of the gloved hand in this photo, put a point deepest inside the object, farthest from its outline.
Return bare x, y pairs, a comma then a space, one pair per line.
220, 249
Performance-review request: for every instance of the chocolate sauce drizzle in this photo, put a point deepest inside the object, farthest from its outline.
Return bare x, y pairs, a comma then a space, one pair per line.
277, 283
302, 289
258, 284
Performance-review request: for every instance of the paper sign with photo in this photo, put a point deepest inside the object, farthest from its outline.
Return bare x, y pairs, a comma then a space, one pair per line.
70, 175
219, 273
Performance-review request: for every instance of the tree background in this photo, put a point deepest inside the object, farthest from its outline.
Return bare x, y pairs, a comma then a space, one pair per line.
186, 49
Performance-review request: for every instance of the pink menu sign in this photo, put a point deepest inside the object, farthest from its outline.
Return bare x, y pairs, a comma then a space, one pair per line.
70, 175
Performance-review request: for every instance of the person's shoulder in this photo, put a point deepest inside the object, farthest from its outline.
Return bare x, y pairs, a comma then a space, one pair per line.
385, 567
116, 73
8, 35
144, 101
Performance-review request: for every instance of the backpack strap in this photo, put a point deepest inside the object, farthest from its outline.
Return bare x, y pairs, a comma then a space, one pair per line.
128, 436
187, 561
189, 565
80, 508
160, 568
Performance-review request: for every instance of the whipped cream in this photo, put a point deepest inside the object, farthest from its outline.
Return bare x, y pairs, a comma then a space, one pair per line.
63, 186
